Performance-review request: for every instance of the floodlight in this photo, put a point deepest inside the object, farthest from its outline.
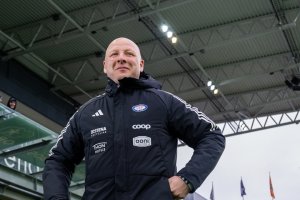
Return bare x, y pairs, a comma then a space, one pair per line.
164, 28
216, 91
174, 40
209, 83
169, 34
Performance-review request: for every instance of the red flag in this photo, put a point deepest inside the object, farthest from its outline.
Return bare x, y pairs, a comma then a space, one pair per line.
271, 188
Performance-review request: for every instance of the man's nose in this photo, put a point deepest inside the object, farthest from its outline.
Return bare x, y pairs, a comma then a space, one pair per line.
121, 58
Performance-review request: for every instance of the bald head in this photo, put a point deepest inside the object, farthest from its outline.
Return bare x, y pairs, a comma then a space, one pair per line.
123, 59
122, 40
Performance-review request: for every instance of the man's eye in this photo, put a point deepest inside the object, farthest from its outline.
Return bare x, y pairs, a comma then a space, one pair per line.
114, 54
130, 53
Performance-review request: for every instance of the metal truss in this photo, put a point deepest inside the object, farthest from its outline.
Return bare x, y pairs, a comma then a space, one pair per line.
228, 33
266, 25
234, 72
96, 21
245, 29
42, 62
238, 127
254, 105
227, 73
54, 37
259, 123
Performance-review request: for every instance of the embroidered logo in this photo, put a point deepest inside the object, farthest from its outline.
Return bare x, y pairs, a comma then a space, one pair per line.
142, 141
98, 131
99, 147
141, 126
139, 108
98, 113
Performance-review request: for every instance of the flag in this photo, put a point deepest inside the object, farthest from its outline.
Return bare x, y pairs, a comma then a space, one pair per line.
243, 190
212, 194
271, 187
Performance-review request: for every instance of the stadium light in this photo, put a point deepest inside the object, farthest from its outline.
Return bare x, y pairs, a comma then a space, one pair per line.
169, 34
209, 83
216, 91
164, 28
174, 40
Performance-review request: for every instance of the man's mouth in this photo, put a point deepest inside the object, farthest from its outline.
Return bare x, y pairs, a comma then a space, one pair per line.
122, 68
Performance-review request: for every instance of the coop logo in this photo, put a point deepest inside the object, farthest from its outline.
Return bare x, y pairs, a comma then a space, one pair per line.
141, 126
142, 141
99, 147
139, 108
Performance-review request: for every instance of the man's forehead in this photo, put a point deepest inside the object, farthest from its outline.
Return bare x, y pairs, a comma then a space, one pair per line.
121, 47
122, 44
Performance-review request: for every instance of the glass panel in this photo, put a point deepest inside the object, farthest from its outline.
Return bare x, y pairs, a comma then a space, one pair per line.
16, 129
24, 140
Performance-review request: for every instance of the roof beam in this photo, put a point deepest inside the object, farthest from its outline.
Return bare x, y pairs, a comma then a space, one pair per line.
277, 63
257, 21
239, 127
264, 97
91, 38
85, 29
44, 63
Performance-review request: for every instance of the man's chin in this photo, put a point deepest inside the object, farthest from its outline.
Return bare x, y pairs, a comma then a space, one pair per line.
125, 75
122, 77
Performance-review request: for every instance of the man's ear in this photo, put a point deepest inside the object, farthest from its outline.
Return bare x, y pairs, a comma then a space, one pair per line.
104, 69
142, 65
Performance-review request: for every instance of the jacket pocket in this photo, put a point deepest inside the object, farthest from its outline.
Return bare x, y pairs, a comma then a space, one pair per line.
99, 162
145, 155
150, 188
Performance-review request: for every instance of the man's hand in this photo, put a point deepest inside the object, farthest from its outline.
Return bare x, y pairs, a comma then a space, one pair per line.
178, 187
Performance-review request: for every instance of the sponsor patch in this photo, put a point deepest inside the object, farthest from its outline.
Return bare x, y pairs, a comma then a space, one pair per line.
142, 141
141, 126
99, 147
139, 108
98, 131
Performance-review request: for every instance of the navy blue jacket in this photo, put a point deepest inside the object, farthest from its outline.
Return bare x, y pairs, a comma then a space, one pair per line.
128, 137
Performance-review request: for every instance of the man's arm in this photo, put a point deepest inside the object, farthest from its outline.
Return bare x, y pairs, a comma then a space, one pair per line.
200, 133
60, 164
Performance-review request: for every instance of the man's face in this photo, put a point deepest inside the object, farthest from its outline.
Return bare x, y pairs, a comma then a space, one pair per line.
123, 59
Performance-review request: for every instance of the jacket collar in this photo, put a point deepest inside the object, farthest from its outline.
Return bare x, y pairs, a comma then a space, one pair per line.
145, 81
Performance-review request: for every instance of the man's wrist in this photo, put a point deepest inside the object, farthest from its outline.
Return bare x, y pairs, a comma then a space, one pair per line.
188, 183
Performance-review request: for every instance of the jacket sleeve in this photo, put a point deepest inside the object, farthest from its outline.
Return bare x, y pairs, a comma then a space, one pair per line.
60, 165
200, 133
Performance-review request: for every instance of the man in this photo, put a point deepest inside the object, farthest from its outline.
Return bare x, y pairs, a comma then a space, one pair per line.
128, 137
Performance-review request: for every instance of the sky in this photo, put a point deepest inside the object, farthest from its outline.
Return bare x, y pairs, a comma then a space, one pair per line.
253, 156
